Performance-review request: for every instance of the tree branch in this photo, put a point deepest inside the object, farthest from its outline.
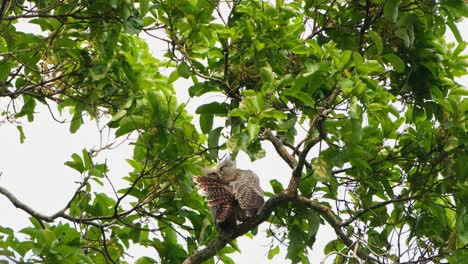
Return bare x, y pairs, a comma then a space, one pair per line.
282, 151
18, 204
370, 208
318, 118
336, 224
42, 217
214, 247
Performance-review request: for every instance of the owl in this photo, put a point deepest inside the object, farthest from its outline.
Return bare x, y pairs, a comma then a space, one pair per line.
232, 194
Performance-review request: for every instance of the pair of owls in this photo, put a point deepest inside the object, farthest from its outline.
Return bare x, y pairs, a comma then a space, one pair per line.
232, 194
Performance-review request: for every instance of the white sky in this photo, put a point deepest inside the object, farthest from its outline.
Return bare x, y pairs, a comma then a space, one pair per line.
35, 174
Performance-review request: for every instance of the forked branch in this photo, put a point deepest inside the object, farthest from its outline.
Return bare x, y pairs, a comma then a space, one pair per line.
264, 213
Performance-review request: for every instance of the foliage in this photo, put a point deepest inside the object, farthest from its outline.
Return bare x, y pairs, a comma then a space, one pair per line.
372, 81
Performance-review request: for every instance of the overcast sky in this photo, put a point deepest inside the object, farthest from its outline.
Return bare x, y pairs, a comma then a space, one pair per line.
35, 174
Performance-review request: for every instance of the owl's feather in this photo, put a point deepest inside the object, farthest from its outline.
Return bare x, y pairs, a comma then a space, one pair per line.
231, 193
218, 196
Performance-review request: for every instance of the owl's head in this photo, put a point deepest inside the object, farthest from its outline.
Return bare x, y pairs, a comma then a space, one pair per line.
227, 169
210, 172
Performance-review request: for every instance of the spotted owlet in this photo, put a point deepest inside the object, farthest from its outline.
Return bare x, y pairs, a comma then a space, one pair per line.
232, 194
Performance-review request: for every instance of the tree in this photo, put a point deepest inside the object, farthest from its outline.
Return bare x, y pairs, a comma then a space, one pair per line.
371, 82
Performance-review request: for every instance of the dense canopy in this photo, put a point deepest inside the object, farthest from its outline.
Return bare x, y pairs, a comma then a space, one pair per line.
357, 97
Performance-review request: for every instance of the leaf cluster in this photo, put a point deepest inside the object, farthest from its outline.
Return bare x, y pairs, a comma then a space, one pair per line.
359, 98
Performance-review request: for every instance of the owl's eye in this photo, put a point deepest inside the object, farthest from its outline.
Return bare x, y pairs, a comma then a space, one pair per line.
223, 167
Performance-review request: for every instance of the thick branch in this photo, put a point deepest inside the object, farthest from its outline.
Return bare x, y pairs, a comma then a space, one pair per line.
282, 151
18, 204
266, 210
218, 244
42, 217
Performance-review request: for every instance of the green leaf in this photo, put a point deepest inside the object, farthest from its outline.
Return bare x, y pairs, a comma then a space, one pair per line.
266, 74
355, 110
356, 135
277, 186
253, 104
370, 66
407, 35
225, 259
213, 141
419, 114
133, 25
76, 163
322, 171
462, 223
358, 60
87, 159
119, 115
391, 10
296, 93
459, 256
184, 70
22, 136
214, 108
301, 49
459, 7
237, 112
396, 62
455, 31
146, 260
103, 204
273, 113
29, 104
173, 77
206, 122
144, 7
296, 243
273, 252
313, 221
3, 45
77, 121
377, 40
199, 89
346, 85
253, 128
99, 71
345, 59
128, 124
5, 70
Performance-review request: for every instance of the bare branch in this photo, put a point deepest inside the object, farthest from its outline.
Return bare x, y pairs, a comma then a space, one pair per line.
282, 151
18, 204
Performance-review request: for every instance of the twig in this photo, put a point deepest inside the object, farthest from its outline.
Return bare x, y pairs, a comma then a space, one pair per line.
104, 245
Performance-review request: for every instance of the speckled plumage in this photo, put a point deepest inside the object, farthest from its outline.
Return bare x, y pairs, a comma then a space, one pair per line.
218, 195
230, 191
